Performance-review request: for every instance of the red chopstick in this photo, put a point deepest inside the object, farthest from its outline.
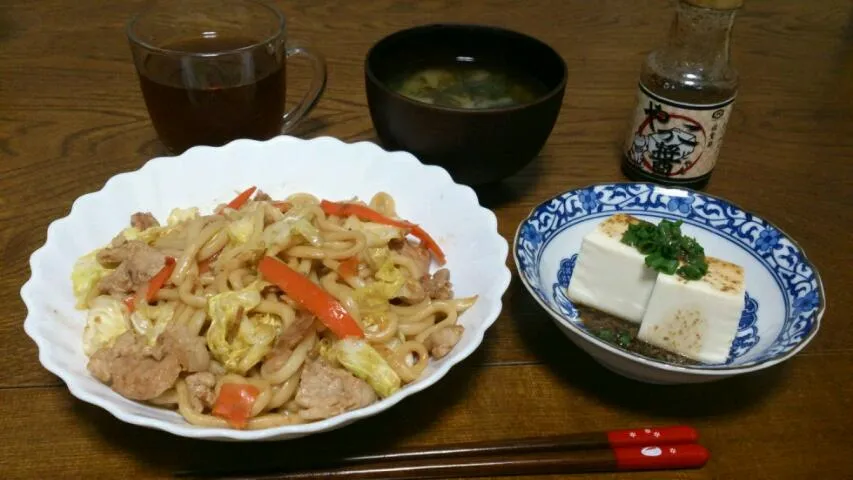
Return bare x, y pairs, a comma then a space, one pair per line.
618, 450
574, 441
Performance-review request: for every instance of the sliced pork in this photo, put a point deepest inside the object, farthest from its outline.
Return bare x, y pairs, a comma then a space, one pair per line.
437, 286
417, 253
134, 369
143, 220
140, 371
200, 387
442, 341
137, 263
326, 391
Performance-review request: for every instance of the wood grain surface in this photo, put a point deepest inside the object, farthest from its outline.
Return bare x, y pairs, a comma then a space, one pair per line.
71, 116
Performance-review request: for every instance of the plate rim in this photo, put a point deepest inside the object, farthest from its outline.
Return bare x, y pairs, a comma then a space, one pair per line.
500, 284
699, 370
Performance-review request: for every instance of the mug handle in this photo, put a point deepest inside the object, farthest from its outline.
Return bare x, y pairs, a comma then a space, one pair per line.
318, 84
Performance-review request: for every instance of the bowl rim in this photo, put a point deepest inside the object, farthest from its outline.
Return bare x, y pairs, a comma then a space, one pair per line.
698, 370
475, 29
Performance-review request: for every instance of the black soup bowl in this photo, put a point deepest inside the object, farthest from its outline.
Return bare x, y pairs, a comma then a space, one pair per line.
476, 145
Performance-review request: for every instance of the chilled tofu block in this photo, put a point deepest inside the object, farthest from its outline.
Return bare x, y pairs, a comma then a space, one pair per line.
699, 318
611, 276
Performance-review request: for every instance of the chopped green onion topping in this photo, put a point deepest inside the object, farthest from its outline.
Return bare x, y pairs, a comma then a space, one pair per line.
667, 250
606, 335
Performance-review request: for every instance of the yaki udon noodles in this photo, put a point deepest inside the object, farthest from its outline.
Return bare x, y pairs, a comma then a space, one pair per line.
266, 313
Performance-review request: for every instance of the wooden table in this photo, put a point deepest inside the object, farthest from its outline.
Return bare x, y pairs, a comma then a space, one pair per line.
71, 116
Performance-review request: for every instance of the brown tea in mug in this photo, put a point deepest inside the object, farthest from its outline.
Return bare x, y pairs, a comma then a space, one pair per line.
197, 100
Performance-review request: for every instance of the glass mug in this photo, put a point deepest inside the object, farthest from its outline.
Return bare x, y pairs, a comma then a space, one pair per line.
212, 71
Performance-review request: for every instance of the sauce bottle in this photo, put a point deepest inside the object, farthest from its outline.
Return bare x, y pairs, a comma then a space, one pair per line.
686, 93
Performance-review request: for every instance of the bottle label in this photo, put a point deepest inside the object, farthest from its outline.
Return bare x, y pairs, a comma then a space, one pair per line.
674, 140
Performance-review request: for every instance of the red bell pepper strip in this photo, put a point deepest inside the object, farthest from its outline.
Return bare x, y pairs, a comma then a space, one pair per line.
349, 267
283, 207
158, 280
311, 297
130, 302
235, 402
370, 215
241, 199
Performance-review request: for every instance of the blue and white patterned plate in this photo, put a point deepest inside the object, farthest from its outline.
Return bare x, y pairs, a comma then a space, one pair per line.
784, 294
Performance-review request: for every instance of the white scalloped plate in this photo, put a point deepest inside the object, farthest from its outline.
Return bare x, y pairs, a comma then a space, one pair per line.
206, 176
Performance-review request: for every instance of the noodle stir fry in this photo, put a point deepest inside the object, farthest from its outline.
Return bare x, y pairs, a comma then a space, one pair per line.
267, 313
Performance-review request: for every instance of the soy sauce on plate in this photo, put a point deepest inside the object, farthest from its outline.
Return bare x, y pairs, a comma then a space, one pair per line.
623, 334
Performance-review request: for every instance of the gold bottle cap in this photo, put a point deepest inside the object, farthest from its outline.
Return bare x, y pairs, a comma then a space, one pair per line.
717, 4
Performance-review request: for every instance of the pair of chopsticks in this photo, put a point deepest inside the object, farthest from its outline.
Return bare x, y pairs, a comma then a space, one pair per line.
663, 448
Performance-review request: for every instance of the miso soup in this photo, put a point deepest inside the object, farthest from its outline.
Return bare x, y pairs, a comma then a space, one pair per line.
468, 85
